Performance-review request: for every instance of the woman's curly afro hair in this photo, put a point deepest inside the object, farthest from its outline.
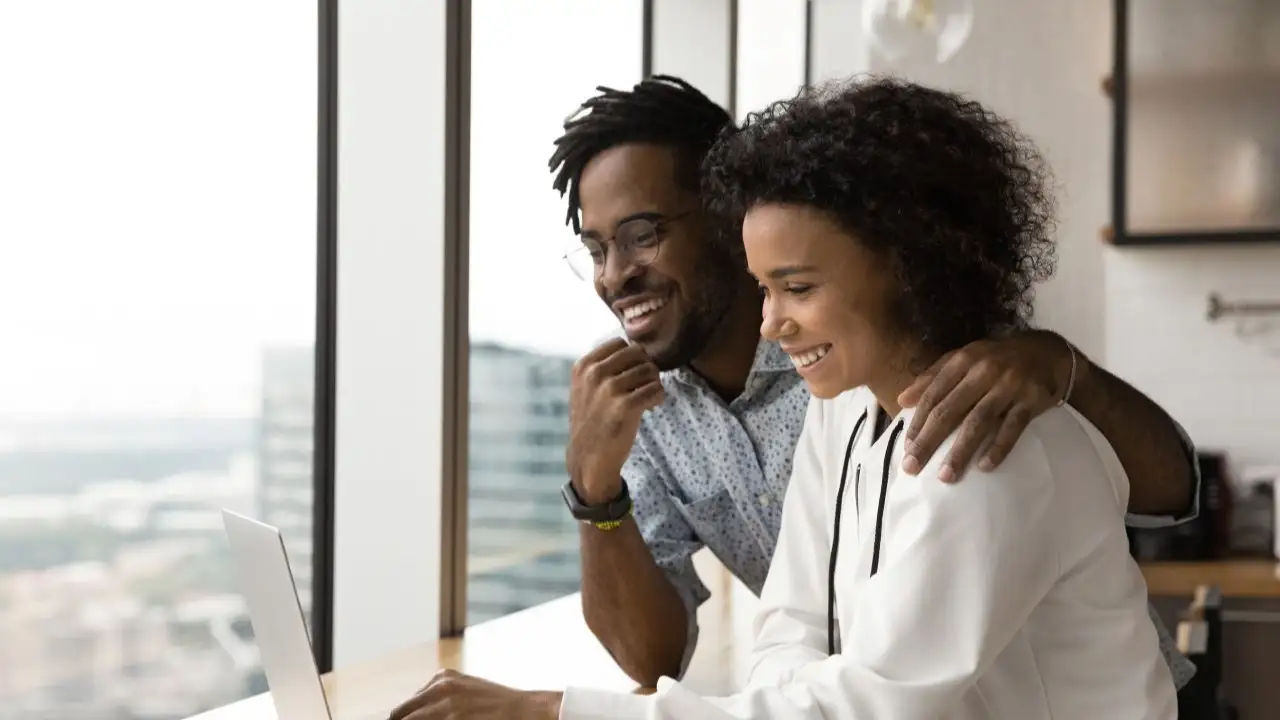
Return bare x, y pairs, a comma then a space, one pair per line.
954, 197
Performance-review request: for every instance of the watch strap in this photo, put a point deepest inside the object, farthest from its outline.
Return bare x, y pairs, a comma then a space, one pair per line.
605, 516
607, 525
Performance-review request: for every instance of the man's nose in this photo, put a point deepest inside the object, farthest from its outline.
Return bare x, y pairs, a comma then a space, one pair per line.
616, 271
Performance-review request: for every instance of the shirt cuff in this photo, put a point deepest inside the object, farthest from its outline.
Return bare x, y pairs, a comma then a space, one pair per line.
779, 666
589, 704
1147, 522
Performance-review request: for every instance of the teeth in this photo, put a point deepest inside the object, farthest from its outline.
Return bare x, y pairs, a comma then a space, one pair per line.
808, 358
644, 308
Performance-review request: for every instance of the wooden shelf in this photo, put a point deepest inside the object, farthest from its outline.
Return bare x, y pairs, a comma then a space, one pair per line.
1235, 578
1230, 81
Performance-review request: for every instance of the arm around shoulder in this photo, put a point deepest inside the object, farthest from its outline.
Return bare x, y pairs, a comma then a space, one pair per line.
1157, 455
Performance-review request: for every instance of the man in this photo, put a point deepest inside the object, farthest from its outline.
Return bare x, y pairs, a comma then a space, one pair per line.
708, 464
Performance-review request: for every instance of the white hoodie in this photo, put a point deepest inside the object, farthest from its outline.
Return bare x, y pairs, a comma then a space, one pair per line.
1010, 594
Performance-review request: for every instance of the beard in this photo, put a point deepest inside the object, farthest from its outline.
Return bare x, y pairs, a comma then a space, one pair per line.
710, 305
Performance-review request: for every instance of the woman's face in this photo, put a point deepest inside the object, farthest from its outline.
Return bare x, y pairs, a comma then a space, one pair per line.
826, 297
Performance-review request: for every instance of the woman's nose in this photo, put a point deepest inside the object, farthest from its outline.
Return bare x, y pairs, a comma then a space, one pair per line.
774, 325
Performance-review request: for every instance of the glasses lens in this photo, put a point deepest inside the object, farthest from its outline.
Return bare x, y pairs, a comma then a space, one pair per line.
579, 259
638, 239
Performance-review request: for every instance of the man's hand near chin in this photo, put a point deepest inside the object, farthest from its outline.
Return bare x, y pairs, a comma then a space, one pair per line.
454, 696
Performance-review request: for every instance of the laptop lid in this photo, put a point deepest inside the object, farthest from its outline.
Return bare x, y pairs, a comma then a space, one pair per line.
266, 581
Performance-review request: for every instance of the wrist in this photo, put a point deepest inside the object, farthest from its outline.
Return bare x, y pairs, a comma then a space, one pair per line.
1072, 370
547, 705
1084, 380
596, 488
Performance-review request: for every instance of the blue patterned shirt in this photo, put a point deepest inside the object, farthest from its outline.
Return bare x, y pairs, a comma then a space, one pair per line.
705, 473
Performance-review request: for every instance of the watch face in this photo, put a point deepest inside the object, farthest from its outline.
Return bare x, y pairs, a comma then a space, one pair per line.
571, 499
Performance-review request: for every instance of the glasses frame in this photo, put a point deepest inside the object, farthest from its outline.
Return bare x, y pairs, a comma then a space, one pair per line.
658, 226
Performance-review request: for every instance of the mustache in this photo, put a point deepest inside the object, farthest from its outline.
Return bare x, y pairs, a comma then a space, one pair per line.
632, 288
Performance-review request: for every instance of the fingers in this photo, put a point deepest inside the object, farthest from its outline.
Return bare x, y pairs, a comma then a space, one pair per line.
980, 424
603, 350
406, 708
634, 377
424, 698
429, 708
624, 359
1014, 424
632, 403
915, 391
437, 710
638, 388
649, 396
953, 393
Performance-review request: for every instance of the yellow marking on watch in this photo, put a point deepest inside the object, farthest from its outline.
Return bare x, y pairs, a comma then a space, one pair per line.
608, 525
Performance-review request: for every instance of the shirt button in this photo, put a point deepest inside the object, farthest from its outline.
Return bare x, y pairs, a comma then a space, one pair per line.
764, 501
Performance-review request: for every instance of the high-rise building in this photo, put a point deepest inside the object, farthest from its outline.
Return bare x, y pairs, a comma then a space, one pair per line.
522, 543
285, 487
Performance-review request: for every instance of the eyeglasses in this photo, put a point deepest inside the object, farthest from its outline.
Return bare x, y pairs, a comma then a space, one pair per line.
638, 241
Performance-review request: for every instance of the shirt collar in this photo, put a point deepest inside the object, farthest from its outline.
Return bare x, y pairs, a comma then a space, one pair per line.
771, 358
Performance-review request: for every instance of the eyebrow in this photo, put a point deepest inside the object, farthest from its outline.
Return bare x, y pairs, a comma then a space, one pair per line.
643, 215
789, 270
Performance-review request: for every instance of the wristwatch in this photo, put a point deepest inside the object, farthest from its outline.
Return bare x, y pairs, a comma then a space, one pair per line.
607, 516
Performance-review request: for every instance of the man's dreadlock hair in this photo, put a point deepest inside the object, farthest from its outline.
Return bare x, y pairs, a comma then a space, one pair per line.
664, 110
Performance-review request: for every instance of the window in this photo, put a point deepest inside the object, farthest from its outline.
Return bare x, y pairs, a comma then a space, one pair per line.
532, 64
771, 52
157, 280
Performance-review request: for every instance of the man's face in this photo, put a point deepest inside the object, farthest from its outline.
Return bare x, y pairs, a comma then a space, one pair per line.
672, 305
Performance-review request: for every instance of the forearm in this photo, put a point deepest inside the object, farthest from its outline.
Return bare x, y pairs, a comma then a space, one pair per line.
1144, 438
630, 604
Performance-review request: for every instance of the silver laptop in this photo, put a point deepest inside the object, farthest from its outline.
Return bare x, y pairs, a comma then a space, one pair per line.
284, 646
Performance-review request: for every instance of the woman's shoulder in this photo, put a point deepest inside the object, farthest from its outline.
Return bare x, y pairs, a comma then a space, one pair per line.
1030, 456
1055, 442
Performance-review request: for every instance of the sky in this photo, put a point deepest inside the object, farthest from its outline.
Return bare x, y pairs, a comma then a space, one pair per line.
157, 193
522, 292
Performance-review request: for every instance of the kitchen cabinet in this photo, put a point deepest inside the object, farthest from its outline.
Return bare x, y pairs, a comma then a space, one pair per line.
1195, 94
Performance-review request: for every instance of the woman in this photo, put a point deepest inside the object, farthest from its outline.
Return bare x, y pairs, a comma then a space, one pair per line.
888, 224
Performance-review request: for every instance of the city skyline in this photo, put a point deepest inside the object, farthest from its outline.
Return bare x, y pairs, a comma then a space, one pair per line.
11, 422
155, 542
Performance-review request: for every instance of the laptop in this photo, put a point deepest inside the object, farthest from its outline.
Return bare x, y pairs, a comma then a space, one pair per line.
266, 581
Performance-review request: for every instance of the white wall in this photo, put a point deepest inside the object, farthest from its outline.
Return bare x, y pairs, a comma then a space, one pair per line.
1223, 388
838, 47
390, 326
771, 53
